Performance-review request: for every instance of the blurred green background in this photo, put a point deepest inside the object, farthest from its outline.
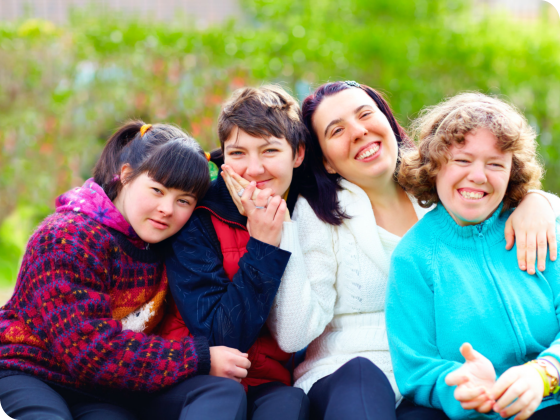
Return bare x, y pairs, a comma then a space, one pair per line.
65, 87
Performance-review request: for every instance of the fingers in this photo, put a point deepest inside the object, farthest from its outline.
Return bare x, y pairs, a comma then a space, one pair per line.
236, 177
262, 199
552, 245
502, 384
514, 391
456, 378
531, 249
509, 234
523, 402
246, 201
521, 251
466, 393
542, 246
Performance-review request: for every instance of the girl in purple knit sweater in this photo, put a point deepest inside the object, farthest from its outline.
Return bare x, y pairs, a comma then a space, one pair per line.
75, 334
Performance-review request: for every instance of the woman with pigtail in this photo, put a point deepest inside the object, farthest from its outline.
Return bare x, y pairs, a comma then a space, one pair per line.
74, 335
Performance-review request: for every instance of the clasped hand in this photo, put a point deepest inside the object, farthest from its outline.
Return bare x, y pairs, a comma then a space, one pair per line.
265, 211
519, 391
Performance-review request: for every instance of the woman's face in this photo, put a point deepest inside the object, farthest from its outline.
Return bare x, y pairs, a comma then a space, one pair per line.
473, 183
154, 212
269, 162
355, 136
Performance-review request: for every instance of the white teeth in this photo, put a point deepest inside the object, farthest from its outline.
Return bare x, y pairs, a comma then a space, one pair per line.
369, 152
472, 195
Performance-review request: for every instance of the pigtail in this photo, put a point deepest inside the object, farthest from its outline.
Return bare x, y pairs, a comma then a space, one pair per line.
108, 167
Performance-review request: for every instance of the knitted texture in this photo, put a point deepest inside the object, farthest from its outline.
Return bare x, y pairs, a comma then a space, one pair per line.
451, 284
332, 294
78, 278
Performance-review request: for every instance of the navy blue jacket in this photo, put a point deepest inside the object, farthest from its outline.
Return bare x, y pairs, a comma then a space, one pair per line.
228, 313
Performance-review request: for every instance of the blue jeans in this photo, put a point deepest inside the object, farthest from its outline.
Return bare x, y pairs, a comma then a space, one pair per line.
201, 397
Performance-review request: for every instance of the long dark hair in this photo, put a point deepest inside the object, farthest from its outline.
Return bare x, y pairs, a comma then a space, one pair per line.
315, 183
164, 152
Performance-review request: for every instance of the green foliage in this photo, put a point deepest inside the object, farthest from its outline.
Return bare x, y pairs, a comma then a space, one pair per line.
63, 89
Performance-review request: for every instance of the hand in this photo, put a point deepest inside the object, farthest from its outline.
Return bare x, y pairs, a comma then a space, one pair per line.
522, 383
228, 363
473, 380
532, 225
264, 221
236, 183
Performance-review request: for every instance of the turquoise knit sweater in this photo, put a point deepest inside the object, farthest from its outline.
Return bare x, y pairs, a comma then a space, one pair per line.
449, 285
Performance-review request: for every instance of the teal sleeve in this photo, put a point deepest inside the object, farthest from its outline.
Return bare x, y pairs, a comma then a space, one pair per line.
552, 276
419, 369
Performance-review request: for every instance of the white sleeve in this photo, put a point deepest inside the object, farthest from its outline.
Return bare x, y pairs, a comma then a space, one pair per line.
553, 199
304, 304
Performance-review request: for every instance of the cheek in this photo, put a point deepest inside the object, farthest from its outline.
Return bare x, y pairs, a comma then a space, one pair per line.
238, 165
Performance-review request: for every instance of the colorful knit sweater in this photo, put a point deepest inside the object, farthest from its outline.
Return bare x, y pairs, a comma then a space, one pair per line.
83, 280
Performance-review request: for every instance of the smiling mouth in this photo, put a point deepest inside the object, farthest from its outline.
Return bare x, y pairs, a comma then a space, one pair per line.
370, 151
159, 225
472, 195
259, 183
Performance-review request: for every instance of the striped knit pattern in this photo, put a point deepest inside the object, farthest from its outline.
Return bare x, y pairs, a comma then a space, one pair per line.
77, 279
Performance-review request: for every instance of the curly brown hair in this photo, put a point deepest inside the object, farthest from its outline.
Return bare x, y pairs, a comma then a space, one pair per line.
439, 127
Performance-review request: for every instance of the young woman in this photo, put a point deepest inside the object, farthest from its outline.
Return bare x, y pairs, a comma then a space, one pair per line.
74, 340
453, 281
351, 215
225, 266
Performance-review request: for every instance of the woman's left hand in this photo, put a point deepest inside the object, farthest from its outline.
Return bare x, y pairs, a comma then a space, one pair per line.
532, 225
521, 384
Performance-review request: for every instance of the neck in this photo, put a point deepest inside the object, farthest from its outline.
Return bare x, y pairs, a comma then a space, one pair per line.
384, 195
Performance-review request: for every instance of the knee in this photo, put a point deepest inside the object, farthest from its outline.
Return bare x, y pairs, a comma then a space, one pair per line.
229, 387
361, 366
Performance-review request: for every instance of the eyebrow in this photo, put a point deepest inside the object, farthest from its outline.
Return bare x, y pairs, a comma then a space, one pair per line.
267, 143
339, 120
491, 157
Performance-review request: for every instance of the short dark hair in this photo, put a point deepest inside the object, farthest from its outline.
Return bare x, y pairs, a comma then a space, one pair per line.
317, 185
267, 111
164, 152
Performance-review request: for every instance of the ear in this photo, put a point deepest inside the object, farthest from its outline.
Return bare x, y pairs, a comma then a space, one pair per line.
328, 167
300, 154
126, 171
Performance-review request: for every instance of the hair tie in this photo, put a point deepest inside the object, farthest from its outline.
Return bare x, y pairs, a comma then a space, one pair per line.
144, 129
352, 83
207, 156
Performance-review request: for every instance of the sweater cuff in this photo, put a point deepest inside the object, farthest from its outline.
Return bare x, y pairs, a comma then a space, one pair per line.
289, 236
202, 350
266, 258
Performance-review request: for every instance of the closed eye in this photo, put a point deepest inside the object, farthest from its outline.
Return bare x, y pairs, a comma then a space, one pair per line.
157, 190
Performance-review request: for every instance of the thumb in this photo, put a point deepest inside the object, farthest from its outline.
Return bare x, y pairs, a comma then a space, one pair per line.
469, 353
509, 234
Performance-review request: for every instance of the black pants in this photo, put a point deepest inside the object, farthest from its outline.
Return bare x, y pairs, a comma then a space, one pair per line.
360, 390
275, 400
202, 397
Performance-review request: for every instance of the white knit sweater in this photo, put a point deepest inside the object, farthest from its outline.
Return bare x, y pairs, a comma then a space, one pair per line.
332, 295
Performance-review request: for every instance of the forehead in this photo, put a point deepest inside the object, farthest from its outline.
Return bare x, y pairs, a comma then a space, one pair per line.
341, 105
481, 142
241, 139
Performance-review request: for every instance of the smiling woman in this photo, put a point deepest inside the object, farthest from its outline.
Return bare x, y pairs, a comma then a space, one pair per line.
91, 290
453, 281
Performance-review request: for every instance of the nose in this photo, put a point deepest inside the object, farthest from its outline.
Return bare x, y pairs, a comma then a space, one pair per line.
477, 173
255, 167
165, 206
357, 130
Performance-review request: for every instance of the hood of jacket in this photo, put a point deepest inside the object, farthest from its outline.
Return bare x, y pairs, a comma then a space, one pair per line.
91, 200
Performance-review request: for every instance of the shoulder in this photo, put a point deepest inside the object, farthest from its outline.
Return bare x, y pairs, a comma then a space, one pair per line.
66, 227
305, 216
417, 243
